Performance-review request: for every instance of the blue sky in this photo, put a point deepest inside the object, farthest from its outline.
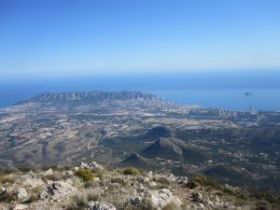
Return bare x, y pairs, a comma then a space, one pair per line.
51, 38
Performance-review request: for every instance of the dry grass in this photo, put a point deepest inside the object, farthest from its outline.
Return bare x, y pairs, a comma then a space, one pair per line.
6, 179
172, 206
52, 177
34, 194
80, 201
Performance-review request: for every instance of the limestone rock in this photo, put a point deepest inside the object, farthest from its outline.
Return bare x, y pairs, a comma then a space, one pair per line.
2, 190
96, 205
183, 180
56, 190
48, 172
96, 166
20, 207
197, 197
135, 200
21, 194
162, 198
84, 166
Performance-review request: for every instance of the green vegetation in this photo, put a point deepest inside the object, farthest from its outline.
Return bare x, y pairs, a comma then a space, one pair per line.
268, 197
205, 181
131, 171
85, 174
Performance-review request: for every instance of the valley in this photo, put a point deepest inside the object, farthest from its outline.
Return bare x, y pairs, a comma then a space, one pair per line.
121, 129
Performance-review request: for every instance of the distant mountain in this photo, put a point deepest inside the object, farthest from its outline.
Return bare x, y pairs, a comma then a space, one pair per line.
157, 132
174, 149
93, 95
164, 148
137, 160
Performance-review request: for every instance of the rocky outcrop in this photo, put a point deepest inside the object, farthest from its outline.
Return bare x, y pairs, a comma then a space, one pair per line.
95, 205
56, 190
116, 189
162, 198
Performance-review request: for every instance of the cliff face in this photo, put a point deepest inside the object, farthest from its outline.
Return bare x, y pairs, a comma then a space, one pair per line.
90, 186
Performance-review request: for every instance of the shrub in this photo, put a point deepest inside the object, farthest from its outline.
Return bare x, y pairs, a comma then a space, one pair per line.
130, 171
85, 174
205, 181
7, 196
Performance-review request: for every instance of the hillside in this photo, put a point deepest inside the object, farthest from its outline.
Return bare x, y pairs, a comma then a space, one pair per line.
92, 187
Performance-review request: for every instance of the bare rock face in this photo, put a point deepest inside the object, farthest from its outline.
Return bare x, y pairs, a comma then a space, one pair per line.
95, 205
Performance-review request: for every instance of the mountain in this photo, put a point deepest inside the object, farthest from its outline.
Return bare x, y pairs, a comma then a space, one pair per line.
164, 148
138, 161
174, 149
93, 96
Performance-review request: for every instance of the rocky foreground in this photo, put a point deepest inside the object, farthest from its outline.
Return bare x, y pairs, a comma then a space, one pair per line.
92, 187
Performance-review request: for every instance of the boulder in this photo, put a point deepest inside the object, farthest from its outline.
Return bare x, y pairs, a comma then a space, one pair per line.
197, 197
32, 175
56, 189
20, 207
171, 178
2, 190
152, 184
68, 174
160, 199
96, 166
96, 205
84, 166
96, 179
48, 172
21, 194
135, 200
150, 174
183, 180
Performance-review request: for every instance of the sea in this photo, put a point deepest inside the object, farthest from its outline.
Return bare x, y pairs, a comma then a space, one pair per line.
232, 91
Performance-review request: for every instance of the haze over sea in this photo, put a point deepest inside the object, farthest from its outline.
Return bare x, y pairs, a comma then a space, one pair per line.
219, 90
